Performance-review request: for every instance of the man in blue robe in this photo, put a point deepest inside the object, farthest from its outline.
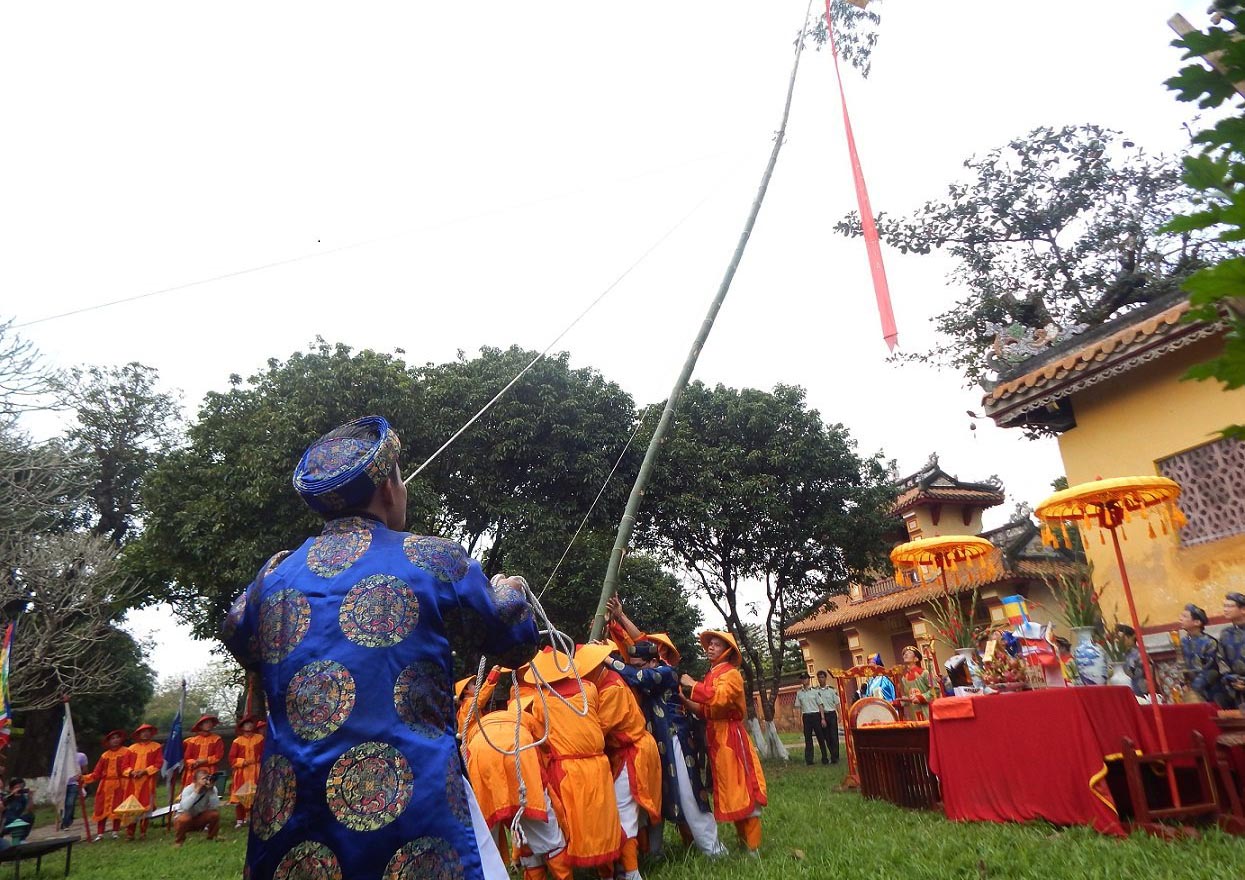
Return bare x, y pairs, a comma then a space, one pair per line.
879, 686
351, 634
1232, 649
1200, 653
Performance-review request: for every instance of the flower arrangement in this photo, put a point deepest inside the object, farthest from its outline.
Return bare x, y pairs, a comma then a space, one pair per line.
952, 620
1078, 597
1115, 645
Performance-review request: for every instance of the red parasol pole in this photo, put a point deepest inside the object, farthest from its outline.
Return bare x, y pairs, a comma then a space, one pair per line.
1111, 520
86, 823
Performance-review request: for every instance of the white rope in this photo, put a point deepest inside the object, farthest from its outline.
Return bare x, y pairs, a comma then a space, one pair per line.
569, 327
583, 522
560, 641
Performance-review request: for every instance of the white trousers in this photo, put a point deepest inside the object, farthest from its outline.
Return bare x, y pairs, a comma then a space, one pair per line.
628, 809
703, 826
543, 838
490, 859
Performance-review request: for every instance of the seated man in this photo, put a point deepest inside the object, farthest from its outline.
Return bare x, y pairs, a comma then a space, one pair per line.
17, 809
199, 808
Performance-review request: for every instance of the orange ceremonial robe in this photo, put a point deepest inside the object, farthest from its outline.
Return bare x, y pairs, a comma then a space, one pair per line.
628, 742
492, 775
738, 782
579, 776
244, 758
206, 747
467, 731
148, 756
110, 772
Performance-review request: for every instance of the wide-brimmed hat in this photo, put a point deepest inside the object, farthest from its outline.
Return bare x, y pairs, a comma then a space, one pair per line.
143, 727
341, 470
588, 658
110, 734
726, 637
204, 720
253, 719
553, 666
460, 686
666, 648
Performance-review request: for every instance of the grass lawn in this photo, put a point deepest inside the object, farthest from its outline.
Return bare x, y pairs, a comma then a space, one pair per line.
811, 831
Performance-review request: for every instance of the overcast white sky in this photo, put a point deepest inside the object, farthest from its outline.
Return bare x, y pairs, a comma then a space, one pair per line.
504, 162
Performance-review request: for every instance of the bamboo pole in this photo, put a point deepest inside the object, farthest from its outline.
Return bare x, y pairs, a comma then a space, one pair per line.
627, 525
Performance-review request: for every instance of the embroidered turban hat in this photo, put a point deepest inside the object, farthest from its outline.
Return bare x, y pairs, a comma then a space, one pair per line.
342, 470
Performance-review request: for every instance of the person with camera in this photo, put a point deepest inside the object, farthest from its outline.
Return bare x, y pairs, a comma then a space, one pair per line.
199, 808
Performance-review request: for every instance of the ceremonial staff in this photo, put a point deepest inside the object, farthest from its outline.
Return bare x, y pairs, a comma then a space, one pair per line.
625, 527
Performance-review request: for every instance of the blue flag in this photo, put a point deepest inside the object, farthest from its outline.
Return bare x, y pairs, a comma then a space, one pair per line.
173, 754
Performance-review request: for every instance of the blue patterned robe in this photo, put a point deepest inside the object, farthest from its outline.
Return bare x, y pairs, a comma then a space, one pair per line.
1232, 655
1201, 659
1136, 672
667, 719
361, 776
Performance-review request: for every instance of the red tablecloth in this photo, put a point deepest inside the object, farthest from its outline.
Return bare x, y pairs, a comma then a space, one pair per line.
1041, 754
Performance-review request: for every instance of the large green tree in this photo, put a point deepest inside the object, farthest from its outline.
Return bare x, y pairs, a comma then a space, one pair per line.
1216, 172
754, 487
655, 599
122, 424
221, 504
523, 475
1058, 228
527, 471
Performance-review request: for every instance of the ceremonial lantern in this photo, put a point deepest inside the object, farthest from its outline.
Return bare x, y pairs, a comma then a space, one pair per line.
129, 810
245, 793
1108, 506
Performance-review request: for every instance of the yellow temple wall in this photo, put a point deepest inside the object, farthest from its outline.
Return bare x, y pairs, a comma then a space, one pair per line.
920, 522
1124, 426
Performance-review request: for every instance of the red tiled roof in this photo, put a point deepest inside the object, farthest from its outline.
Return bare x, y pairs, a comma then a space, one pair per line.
986, 498
843, 611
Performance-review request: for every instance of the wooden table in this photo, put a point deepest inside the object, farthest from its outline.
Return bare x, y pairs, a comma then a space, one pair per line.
893, 761
37, 849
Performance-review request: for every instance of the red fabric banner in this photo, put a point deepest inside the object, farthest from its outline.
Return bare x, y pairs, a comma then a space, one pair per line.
873, 244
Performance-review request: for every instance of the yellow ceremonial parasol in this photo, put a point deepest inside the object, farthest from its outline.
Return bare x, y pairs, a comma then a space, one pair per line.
245, 794
1107, 506
962, 559
128, 811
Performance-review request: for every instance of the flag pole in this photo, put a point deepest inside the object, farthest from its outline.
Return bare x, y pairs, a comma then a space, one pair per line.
625, 527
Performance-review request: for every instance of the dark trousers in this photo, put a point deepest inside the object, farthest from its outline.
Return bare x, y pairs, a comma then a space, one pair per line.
814, 727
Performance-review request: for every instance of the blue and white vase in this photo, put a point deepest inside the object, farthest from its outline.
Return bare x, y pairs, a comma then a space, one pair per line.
1091, 662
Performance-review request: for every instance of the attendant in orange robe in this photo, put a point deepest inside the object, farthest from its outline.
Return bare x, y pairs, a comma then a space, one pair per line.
580, 781
631, 749
496, 785
204, 750
148, 756
111, 772
738, 782
464, 694
244, 757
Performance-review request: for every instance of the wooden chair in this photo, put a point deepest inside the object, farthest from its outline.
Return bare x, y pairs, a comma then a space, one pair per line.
1205, 804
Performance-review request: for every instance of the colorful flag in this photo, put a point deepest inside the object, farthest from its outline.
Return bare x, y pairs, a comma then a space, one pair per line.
173, 754
65, 764
873, 244
6, 716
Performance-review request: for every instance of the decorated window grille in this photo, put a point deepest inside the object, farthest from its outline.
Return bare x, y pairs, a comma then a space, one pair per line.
1212, 490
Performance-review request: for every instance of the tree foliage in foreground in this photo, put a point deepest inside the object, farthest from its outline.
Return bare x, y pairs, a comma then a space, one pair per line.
754, 486
523, 475
1060, 227
1217, 173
